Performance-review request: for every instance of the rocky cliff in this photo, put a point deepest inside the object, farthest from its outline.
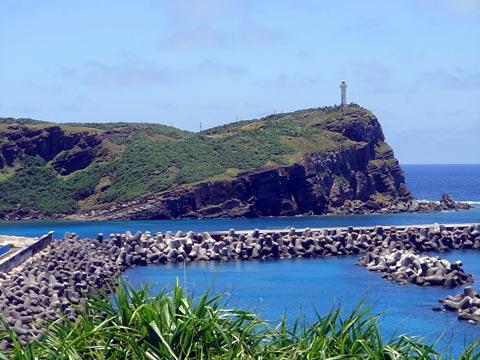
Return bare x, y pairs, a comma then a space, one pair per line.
77, 149
363, 177
349, 181
314, 161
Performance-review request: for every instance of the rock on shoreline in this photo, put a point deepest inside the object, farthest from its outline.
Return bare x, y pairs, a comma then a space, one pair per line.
183, 204
158, 207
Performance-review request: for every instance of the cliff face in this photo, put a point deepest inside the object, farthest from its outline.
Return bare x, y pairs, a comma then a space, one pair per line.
350, 181
67, 151
364, 177
314, 161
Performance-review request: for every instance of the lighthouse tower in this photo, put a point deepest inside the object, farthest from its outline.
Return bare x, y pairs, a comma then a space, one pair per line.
343, 88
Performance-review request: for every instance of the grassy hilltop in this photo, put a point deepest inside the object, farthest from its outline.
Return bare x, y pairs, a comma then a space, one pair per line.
50, 168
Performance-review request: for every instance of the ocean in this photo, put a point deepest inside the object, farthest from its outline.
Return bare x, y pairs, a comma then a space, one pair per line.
429, 182
298, 287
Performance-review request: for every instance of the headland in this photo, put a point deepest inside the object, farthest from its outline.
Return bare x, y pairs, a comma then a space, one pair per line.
328, 160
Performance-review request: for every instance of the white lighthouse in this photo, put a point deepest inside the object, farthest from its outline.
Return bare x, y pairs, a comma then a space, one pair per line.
343, 87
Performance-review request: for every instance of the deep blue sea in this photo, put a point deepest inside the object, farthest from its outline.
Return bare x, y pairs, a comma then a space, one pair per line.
297, 287
429, 182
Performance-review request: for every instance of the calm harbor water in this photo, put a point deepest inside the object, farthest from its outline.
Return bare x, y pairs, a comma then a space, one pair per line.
298, 286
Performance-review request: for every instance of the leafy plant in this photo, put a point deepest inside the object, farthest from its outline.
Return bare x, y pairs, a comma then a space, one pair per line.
134, 324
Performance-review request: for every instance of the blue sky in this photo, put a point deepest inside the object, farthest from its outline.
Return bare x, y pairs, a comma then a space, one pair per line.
415, 63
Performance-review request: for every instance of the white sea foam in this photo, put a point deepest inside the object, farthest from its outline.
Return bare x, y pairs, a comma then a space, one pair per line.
438, 202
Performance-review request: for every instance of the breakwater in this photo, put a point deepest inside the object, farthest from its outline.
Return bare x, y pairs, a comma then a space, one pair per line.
404, 266
55, 281
143, 248
466, 305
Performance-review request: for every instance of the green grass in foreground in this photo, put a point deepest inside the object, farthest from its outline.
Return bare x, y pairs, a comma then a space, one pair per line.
136, 325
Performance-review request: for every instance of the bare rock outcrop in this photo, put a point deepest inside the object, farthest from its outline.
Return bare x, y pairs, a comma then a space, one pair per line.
353, 180
46, 142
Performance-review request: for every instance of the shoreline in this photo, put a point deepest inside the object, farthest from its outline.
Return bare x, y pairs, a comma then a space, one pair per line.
412, 206
81, 219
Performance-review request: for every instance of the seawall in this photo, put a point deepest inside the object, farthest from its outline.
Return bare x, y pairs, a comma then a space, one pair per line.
26, 252
299, 231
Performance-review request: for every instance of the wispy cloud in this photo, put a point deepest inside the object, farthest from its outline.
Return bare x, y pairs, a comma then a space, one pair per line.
253, 32
192, 11
289, 81
216, 68
194, 24
445, 131
189, 106
461, 7
204, 36
105, 74
131, 71
374, 77
74, 105
458, 79
362, 25
197, 37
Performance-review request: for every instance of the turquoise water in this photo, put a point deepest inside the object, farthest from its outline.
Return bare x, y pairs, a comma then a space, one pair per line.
299, 286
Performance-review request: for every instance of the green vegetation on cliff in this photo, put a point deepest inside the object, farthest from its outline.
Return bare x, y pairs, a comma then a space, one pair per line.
49, 168
37, 187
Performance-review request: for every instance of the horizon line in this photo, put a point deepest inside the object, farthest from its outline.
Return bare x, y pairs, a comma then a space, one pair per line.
454, 164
